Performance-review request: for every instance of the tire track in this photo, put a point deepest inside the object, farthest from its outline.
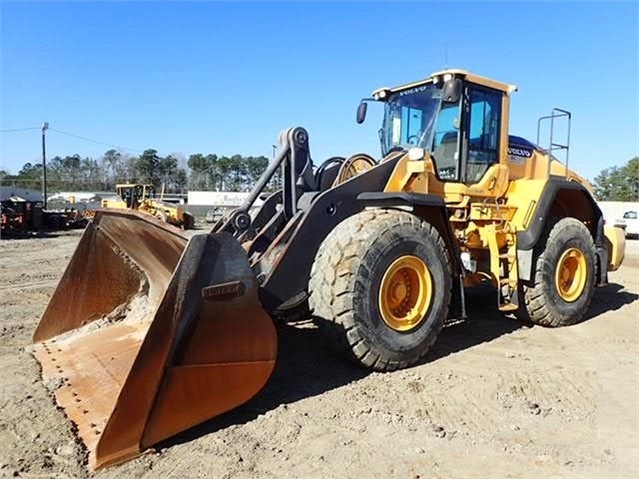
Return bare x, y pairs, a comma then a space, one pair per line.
29, 285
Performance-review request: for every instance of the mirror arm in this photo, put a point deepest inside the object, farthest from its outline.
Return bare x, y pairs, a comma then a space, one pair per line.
361, 109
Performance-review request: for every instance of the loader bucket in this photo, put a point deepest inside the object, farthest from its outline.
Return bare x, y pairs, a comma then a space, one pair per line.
150, 333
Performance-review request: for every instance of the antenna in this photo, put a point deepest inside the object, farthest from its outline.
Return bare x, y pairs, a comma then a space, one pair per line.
445, 55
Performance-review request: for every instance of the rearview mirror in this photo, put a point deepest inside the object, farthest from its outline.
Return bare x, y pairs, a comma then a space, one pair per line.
361, 112
452, 90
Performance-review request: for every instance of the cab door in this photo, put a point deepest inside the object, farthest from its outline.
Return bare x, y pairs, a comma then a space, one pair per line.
482, 127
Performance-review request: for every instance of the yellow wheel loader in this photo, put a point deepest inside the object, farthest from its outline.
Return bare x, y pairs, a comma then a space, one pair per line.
142, 198
379, 251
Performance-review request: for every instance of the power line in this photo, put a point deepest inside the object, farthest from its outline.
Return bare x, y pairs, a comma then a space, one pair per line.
11, 130
20, 129
94, 141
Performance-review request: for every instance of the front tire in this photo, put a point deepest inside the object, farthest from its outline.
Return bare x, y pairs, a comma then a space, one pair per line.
564, 277
380, 288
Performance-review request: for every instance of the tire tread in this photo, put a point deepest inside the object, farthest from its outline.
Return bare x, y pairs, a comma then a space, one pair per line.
537, 308
334, 282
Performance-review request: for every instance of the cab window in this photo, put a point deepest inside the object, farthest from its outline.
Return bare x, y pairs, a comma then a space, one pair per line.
412, 118
445, 141
483, 132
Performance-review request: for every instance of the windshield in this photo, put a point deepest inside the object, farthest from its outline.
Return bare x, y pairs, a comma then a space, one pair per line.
409, 117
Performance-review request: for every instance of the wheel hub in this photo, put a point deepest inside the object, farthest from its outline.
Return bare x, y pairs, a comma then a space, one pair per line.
571, 275
405, 293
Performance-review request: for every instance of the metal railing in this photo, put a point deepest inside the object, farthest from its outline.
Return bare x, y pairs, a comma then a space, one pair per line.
555, 114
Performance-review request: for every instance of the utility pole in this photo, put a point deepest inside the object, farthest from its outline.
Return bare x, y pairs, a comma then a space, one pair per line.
45, 127
274, 150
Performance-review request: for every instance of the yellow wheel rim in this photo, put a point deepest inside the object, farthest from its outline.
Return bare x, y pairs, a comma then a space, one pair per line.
571, 274
405, 293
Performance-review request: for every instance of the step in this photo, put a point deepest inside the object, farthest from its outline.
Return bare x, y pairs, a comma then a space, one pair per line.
508, 307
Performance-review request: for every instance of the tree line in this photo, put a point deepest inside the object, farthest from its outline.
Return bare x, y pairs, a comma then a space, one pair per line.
220, 173
619, 183
176, 173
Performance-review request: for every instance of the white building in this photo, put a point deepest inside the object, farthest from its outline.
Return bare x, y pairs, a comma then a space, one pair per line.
218, 198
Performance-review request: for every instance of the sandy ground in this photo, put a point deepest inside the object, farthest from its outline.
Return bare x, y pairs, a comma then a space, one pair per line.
495, 398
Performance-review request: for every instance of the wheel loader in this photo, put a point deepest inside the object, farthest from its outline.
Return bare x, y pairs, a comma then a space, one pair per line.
142, 198
378, 250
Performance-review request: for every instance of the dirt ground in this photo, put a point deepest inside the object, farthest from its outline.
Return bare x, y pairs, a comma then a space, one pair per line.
495, 398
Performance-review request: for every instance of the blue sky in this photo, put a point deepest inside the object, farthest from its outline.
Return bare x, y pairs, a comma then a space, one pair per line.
225, 78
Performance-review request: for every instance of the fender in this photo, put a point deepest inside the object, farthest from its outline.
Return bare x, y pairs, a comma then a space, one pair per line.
423, 205
528, 239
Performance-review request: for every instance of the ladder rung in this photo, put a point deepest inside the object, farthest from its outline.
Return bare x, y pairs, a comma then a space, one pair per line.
508, 256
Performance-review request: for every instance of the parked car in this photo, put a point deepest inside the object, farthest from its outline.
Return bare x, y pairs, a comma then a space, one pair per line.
629, 223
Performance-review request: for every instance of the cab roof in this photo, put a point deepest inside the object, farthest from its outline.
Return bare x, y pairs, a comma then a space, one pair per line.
455, 72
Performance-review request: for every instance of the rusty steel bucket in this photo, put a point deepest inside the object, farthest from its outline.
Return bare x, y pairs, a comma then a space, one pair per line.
150, 333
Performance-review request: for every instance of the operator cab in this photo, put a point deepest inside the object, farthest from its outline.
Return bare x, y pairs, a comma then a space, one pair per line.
134, 194
456, 116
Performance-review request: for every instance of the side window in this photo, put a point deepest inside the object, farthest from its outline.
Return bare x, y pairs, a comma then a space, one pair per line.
414, 125
445, 141
483, 133
407, 126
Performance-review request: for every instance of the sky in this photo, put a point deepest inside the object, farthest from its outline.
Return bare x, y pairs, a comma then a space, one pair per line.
225, 78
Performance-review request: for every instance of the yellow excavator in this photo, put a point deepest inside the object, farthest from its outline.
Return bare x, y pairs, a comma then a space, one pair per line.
378, 250
142, 197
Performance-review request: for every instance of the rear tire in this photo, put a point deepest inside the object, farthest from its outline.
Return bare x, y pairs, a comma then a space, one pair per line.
381, 323
188, 221
564, 277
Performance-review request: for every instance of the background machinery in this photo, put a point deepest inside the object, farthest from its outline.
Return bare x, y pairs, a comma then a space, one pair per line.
143, 198
379, 252
20, 217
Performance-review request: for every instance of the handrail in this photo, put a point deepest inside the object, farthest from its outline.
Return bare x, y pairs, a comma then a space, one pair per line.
555, 113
